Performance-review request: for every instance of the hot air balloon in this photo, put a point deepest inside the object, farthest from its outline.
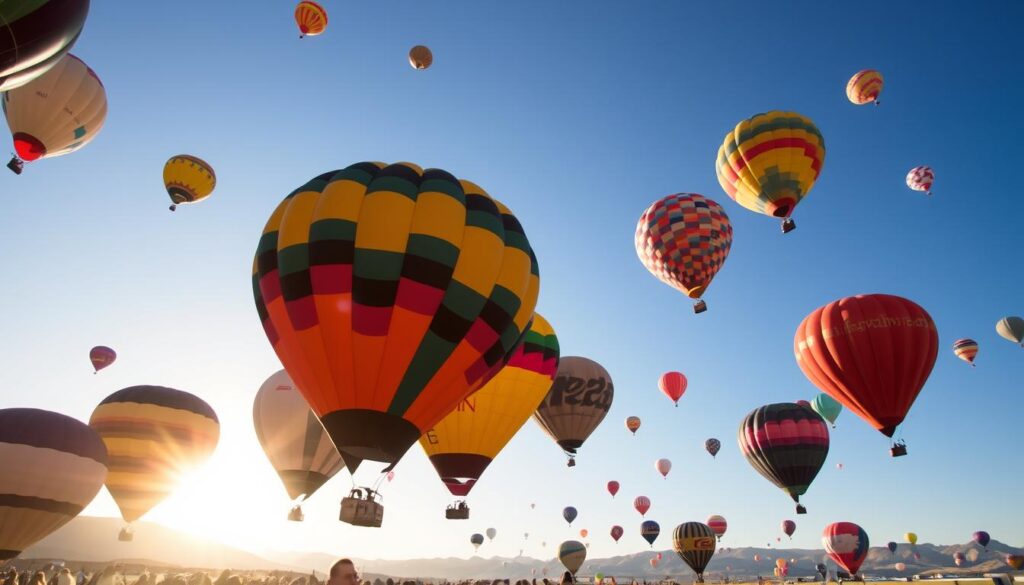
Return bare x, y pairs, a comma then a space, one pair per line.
966, 349
805, 403
633, 423
613, 487
827, 407
476, 540
781, 563
900, 567
617, 532
642, 504
683, 240
576, 404
154, 436
658, 556
973, 554
390, 294
787, 444
757, 558
101, 356
847, 544
654, 562
718, 525
663, 466
864, 87
911, 538
572, 553
981, 537
584, 532
958, 558
532, 506
873, 353
1011, 329
35, 36
56, 113
293, 439
921, 179
892, 547
569, 513
650, 530
420, 57
673, 385
491, 533
311, 18
1015, 561
53, 466
839, 466
695, 544
468, 439
788, 527
188, 179
770, 162
712, 446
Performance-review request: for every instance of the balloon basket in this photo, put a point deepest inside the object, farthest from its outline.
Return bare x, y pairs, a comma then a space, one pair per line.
457, 511
571, 463
296, 515
699, 307
16, 165
898, 450
126, 535
800, 509
358, 509
788, 225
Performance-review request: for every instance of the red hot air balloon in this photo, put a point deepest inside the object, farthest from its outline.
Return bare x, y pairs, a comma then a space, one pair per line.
847, 545
787, 444
718, 525
617, 532
789, 527
613, 487
872, 353
1015, 561
642, 504
663, 466
673, 385
101, 356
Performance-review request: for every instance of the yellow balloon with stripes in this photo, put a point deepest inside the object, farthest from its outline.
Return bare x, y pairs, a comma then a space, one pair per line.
154, 437
770, 162
188, 179
864, 87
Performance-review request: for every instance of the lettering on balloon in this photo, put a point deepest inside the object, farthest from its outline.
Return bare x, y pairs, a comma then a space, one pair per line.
700, 543
575, 391
431, 437
849, 327
467, 404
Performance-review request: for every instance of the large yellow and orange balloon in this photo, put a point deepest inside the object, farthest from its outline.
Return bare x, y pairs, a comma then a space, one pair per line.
188, 179
155, 436
391, 293
56, 113
53, 466
465, 442
769, 163
35, 35
293, 438
864, 87
311, 18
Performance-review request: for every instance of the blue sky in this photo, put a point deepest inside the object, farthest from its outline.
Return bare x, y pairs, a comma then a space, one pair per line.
577, 116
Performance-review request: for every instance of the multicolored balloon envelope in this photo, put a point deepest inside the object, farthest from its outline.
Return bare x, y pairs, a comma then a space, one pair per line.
712, 446
572, 553
53, 466
650, 530
695, 544
642, 504
34, 36
921, 179
292, 437
872, 353
57, 113
864, 87
770, 162
683, 240
390, 294
311, 18
633, 424
718, 525
616, 532
847, 544
787, 444
966, 349
101, 357
154, 436
464, 442
188, 179
578, 401
1015, 561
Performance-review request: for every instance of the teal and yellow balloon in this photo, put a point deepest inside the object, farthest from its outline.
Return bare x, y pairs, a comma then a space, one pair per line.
827, 407
770, 162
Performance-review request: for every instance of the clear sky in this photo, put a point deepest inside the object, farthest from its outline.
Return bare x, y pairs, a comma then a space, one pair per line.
577, 115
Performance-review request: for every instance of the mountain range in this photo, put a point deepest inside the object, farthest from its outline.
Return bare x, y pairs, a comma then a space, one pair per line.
80, 540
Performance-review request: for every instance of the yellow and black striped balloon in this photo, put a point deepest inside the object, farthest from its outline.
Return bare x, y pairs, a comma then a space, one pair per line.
154, 435
695, 543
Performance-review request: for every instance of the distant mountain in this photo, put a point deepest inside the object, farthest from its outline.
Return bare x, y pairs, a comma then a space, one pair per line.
95, 540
